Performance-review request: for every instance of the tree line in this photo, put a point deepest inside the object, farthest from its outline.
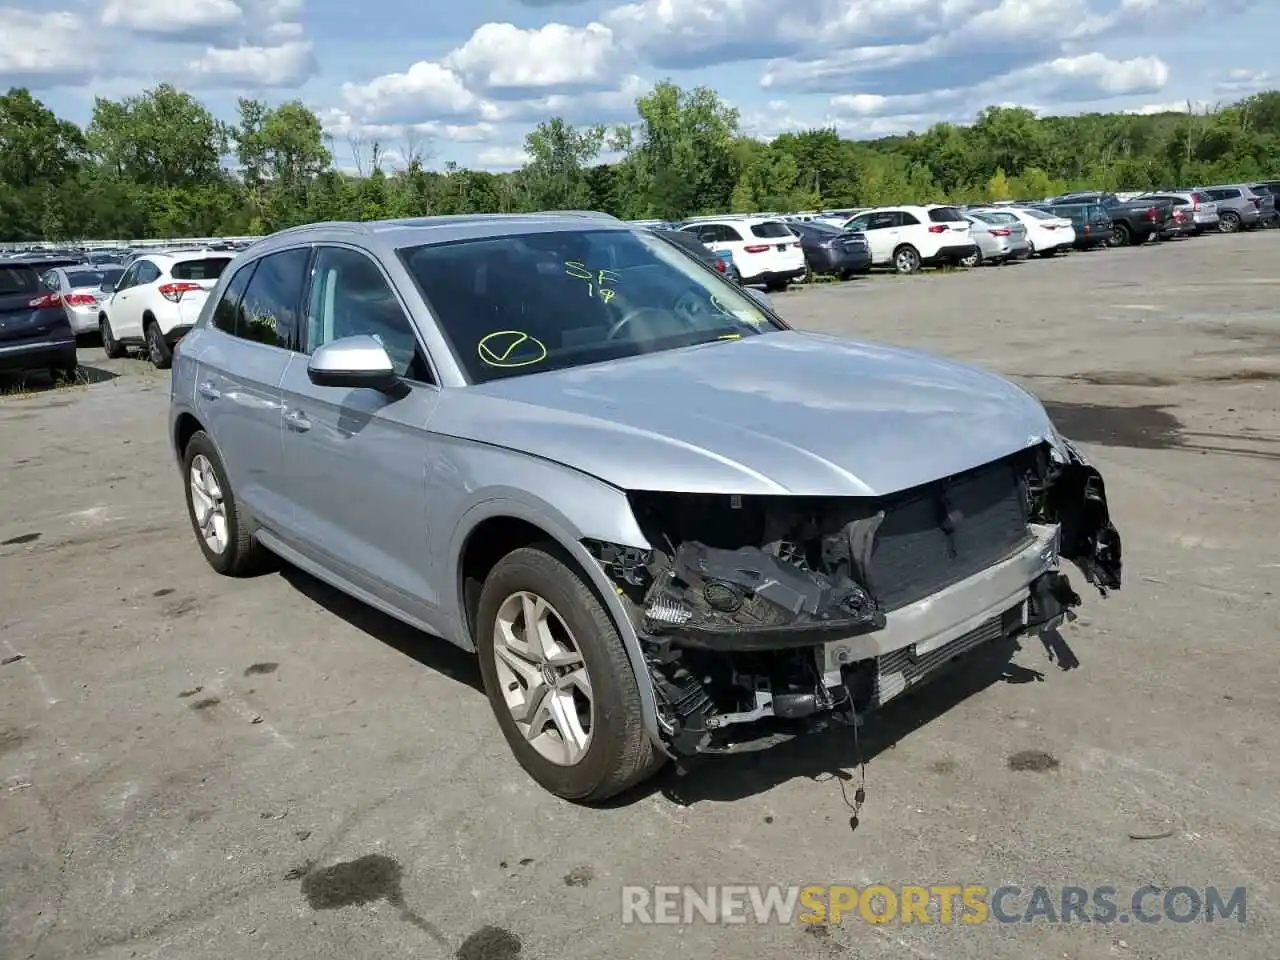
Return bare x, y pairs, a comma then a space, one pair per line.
160, 164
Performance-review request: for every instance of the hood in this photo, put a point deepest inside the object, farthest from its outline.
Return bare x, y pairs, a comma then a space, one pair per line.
781, 413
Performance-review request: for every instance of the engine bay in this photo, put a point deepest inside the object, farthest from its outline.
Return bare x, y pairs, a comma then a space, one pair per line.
738, 595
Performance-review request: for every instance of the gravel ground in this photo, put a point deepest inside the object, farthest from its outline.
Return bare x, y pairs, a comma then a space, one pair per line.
195, 767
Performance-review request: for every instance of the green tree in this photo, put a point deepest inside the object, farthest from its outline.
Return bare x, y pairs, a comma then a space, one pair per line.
555, 177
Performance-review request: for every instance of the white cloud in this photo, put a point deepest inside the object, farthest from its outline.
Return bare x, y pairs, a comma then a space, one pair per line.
1173, 106
426, 91
44, 49
502, 59
1084, 79
342, 125
502, 158
246, 67
186, 21
1241, 81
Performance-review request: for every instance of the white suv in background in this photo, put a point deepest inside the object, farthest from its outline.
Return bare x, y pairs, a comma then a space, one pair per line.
764, 249
908, 238
157, 300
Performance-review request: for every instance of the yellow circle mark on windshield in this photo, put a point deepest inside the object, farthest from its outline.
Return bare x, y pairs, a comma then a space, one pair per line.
511, 348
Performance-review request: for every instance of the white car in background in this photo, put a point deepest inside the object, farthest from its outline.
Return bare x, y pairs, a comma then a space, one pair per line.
1047, 233
910, 237
764, 250
81, 290
157, 300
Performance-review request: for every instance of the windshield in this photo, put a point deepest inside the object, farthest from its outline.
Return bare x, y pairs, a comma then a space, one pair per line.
1040, 214
988, 217
526, 304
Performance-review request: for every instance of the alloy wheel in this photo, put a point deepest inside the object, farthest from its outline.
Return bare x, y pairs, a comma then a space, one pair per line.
208, 504
543, 677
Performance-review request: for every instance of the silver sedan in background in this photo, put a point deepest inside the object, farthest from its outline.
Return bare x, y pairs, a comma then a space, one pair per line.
82, 289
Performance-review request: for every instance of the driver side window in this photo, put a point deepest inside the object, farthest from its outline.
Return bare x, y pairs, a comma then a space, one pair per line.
350, 297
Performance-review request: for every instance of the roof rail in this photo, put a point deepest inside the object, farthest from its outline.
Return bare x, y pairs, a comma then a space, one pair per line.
597, 214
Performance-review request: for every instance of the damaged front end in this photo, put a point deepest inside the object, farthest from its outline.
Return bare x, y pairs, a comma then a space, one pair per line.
765, 616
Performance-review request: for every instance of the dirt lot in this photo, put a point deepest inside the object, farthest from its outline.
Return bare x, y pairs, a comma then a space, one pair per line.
193, 767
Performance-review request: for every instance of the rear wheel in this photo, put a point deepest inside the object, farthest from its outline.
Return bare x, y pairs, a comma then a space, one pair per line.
1121, 236
558, 678
159, 351
220, 528
972, 260
775, 286
906, 259
1229, 222
110, 345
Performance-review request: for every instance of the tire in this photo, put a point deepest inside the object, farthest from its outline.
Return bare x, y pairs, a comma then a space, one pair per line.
110, 345
157, 349
1121, 236
618, 752
240, 554
1229, 222
775, 286
972, 260
906, 259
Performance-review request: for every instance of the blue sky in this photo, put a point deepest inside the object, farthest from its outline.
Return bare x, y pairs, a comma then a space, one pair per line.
465, 81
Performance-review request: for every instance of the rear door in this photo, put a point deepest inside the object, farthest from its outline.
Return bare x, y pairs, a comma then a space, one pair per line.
252, 332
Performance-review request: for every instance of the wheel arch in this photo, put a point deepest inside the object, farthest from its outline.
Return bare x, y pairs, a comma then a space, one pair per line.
493, 528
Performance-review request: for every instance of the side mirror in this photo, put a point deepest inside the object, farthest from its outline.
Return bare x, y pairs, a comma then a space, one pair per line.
359, 361
760, 297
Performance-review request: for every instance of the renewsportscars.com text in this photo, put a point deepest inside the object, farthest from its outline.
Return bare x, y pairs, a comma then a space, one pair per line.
933, 904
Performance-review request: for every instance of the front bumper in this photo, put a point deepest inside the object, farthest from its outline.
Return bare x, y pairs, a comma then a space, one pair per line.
935, 621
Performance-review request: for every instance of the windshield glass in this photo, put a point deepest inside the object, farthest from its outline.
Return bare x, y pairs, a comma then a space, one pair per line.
546, 301
1040, 214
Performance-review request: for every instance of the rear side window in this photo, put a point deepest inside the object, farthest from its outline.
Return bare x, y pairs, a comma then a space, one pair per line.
945, 215
210, 269
268, 311
770, 230
14, 280
224, 314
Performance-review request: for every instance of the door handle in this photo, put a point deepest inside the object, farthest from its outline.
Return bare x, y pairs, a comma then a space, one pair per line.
297, 421
208, 390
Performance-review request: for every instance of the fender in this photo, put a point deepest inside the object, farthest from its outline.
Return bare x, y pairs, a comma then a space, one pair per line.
569, 537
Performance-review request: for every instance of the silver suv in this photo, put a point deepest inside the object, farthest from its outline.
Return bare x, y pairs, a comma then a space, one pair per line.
667, 523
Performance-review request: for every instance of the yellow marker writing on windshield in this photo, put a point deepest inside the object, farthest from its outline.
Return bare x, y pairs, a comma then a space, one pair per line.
505, 349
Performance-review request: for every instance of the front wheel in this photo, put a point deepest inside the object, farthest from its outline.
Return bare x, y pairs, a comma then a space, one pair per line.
972, 260
1229, 222
558, 678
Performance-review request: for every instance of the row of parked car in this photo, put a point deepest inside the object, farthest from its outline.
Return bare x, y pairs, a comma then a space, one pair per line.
50, 300
773, 251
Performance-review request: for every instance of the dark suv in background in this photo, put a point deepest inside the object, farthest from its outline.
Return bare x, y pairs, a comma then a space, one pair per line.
35, 333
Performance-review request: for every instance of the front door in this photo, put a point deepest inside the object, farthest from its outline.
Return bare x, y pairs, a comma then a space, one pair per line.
357, 458
252, 335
